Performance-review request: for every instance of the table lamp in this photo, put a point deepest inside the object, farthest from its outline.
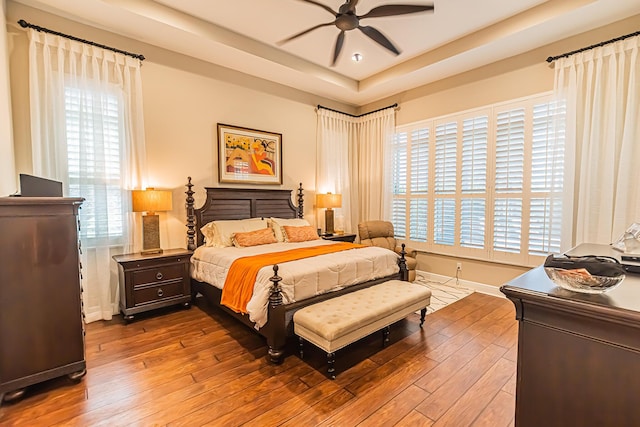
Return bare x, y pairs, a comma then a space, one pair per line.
151, 201
328, 201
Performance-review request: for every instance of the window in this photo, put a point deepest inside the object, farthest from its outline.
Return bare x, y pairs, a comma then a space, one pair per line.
482, 183
93, 135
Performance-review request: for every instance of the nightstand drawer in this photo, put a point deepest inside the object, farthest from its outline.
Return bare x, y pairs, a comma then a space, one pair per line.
145, 294
154, 262
158, 274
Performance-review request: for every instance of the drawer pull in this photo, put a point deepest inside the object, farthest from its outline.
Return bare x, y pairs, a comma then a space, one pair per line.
159, 275
160, 293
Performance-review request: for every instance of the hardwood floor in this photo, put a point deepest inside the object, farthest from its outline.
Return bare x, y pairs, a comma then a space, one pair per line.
195, 367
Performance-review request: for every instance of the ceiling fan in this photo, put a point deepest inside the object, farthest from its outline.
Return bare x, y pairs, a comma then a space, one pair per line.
347, 20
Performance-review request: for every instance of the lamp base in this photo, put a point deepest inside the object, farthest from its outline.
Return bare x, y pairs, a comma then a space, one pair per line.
150, 234
328, 221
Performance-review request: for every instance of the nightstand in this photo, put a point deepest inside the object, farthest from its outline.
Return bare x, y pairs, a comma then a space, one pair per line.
340, 237
148, 282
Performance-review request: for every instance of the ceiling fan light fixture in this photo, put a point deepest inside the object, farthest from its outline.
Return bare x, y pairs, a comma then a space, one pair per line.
357, 57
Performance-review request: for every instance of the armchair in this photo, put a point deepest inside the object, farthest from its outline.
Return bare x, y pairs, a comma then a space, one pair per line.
380, 233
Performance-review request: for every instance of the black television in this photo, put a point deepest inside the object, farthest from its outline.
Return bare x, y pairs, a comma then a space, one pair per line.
34, 186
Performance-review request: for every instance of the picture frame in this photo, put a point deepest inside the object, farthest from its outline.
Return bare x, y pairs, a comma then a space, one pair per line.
249, 156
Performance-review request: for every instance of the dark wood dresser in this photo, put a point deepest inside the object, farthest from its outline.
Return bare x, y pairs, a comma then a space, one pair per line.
41, 324
578, 354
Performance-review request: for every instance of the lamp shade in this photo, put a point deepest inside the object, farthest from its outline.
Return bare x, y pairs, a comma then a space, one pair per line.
151, 200
328, 200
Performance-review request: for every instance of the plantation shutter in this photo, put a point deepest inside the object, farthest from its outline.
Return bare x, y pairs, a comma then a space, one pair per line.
418, 205
509, 181
399, 185
474, 181
547, 160
445, 183
93, 129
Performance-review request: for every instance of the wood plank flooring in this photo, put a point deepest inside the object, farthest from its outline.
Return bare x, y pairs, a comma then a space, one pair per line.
196, 367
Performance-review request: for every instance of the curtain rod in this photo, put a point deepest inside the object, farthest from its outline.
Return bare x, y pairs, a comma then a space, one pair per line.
25, 24
593, 46
359, 115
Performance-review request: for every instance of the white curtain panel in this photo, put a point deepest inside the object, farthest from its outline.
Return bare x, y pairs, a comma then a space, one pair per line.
87, 131
336, 161
374, 160
352, 155
7, 158
601, 87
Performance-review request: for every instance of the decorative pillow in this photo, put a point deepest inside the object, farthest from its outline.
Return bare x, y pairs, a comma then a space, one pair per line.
224, 230
278, 223
299, 234
254, 238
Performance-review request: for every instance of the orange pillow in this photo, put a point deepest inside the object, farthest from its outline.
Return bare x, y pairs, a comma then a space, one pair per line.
254, 238
299, 234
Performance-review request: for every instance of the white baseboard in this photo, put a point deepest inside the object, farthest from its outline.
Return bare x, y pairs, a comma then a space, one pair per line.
476, 286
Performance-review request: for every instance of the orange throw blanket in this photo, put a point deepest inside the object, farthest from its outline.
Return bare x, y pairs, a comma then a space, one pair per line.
238, 286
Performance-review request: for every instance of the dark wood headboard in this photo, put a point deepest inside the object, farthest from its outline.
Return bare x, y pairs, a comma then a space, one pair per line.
238, 203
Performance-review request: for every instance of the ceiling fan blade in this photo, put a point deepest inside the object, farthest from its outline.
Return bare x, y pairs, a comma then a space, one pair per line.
295, 36
395, 9
325, 7
338, 48
379, 38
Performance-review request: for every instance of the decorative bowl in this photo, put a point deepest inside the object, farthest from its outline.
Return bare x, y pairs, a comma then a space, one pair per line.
580, 280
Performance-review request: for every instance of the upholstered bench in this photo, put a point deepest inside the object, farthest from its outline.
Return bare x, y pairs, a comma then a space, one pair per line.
338, 322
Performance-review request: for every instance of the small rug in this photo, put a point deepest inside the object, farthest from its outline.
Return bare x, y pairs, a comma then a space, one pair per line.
443, 294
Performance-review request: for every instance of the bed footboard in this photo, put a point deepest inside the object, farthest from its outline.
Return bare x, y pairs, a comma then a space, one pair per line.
280, 324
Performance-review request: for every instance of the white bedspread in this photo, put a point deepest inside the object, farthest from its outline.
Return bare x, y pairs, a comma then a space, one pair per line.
300, 279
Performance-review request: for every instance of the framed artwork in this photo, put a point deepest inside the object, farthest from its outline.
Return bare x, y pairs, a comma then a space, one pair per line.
249, 156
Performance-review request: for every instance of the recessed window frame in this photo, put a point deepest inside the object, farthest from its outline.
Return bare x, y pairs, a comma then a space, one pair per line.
402, 213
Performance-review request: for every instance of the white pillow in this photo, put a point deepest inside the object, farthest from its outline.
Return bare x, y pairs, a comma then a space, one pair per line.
224, 230
208, 231
278, 223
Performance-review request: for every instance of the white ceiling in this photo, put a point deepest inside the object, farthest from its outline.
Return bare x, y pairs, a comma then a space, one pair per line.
243, 35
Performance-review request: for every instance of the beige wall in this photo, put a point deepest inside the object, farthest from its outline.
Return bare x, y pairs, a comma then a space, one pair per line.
184, 98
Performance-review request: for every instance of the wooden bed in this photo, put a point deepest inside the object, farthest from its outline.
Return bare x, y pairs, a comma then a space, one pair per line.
239, 203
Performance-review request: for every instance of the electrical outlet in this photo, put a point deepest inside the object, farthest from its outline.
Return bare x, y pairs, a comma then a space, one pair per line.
459, 266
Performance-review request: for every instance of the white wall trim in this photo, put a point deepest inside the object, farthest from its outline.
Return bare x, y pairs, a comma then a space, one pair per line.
476, 286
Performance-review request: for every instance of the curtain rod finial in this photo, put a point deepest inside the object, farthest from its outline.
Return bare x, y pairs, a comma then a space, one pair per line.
23, 23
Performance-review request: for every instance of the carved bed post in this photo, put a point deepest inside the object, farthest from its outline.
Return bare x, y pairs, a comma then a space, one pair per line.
276, 335
300, 202
275, 298
402, 262
191, 218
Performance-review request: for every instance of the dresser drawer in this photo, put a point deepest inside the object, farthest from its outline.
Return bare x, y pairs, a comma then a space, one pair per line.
158, 274
145, 294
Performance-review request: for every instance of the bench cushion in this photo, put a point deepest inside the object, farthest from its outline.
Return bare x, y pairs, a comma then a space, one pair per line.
337, 322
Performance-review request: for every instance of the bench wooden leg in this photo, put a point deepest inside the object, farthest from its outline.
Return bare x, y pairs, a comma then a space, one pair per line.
385, 336
331, 370
301, 347
423, 314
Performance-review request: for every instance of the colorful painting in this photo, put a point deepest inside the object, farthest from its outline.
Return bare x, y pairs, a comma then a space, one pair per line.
249, 156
